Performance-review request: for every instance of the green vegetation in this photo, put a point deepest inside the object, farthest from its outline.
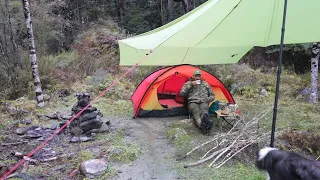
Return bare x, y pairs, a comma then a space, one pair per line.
77, 50
122, 151
236, 172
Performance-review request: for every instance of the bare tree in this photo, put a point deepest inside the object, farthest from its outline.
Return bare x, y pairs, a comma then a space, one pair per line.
314, 73
33, 57
185, 4
120, 9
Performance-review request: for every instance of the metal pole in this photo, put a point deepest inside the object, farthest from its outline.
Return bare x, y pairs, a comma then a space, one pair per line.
278, 76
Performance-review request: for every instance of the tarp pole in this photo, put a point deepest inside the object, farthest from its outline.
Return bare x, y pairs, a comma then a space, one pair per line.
278, 76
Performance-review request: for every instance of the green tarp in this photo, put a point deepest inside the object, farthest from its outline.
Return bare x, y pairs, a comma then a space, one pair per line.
223, 31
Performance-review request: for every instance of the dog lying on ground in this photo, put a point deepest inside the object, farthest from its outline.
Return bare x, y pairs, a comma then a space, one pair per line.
282, 165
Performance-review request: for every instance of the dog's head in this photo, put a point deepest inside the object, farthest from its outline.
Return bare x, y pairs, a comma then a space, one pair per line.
262, 161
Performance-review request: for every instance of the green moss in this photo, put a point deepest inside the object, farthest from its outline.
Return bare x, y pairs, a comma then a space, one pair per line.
122, 151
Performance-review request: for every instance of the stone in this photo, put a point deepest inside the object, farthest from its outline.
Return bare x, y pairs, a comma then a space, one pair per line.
26, 121
83, 102
54, 126
81, 139
93, 168
46, 97
305, 91
264, 92
23, 130
91, 124
40, 139
233, 88
33, 134
88, 116
38, 129
47, 149
77, 109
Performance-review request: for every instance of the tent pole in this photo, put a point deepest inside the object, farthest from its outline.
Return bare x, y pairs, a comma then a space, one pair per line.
278, 76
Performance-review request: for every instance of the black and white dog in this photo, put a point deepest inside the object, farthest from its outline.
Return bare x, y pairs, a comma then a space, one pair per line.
282, 165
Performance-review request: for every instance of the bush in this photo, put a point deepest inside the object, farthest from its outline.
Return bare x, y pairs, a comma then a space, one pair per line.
308, 142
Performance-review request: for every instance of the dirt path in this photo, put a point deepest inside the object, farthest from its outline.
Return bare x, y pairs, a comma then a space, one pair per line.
157, 160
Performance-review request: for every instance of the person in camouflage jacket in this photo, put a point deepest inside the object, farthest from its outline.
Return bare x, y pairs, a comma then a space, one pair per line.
199, 94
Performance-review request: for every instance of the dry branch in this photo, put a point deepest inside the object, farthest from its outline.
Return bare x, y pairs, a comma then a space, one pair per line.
224, 146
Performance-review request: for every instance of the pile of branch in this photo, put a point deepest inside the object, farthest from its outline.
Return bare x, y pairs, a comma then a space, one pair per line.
225, 146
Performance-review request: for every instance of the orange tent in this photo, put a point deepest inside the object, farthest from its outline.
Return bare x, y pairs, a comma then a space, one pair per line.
158, 94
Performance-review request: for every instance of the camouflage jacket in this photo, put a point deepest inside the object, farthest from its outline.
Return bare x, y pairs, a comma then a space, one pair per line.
197, 93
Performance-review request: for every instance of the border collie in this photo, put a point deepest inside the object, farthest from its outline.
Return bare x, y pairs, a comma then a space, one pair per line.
282, 165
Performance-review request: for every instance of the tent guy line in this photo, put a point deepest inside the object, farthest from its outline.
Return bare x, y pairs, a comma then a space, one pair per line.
75, 116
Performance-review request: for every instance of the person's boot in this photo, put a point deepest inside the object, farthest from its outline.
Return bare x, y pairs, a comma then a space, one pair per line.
206, 123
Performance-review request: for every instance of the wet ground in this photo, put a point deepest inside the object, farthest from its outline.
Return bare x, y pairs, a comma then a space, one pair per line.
157, 159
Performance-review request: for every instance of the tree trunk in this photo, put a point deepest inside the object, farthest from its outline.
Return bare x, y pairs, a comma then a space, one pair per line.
161, 12
120, 9
170, 8
314, 73
33, 57
186, 7
11, 36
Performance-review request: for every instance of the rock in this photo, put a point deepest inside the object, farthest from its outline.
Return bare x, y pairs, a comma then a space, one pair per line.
23, 130
26, 121
66, 117
105, 120
52, 125
93, 168
103, 129
91, 124
77, 109
83, 102
47, 149
46, 97
81, 139
264, 92
38, 129
233, 88
33, 134
88, 116
305, 91
40, 139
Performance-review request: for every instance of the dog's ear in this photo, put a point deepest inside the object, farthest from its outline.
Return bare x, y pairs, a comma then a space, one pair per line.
259, 162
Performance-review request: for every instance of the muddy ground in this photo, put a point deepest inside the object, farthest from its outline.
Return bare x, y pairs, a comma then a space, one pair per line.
157, 158
160, 158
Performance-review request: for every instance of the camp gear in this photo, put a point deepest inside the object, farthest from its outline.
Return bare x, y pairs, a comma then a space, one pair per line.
158, 94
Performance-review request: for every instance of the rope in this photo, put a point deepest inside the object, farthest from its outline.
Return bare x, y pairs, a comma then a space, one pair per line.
69, 121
